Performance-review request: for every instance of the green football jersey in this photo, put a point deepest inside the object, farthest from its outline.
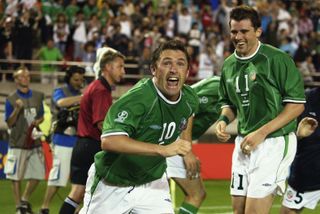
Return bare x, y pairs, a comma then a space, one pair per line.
259, 86
143, 114
208, 112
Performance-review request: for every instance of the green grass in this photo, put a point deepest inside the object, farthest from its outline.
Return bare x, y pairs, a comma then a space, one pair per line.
218, 199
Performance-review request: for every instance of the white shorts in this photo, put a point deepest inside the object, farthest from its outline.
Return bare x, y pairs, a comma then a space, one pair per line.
150, 198
298, 200
176, 167
25, 164
265, 170
60, 171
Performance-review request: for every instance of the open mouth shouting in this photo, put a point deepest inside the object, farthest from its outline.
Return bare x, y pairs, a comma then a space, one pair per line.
173, 82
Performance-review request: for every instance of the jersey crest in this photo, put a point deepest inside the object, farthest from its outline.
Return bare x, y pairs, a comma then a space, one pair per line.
203, 99
121, 116
183, 124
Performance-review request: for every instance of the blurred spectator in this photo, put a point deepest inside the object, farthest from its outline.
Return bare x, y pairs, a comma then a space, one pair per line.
128, 7
194, 65
302, 52
206, 16
125, 24
206, 63
22, 32
49, 53
61, 32
271, 36
56, 9
266, 18
288, 46
184, 21
118, 41
156, 36
90, 8
305, 26
144, 61
136, 16
132, 61
79, 36
89, 54
71, 11
194, 39
93, 26
307, 68
12, 8
222, 16
5, 44
105, 13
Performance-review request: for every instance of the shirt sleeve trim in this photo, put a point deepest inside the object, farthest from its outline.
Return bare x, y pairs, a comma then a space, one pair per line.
113, 134
294, 101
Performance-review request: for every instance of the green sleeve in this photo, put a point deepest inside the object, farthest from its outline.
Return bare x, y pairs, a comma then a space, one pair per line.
288, 78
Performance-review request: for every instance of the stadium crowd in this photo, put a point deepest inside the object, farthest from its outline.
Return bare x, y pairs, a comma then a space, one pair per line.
135, 28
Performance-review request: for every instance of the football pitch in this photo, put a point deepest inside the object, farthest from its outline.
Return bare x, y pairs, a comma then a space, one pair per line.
217, 201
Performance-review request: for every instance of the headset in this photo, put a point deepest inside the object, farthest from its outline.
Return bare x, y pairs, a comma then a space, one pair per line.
71, 70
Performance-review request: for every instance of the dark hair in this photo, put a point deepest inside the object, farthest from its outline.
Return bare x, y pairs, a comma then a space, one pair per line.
108, 57
245, 12
72, 70
168, 45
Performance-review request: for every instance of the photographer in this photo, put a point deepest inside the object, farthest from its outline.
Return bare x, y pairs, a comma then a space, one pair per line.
65, 108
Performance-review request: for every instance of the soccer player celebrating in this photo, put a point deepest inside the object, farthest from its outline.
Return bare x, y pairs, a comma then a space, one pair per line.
139, 132
304, 181
261, 86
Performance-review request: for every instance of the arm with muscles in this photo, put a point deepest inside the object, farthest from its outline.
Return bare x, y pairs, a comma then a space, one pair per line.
127, 145
191, 162
14, 115
306, 127
289, 113
227, 116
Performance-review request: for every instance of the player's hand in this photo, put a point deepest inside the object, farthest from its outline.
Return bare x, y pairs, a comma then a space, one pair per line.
19, 104
178, 147
306, 127
221, 133
192, 165
251, 141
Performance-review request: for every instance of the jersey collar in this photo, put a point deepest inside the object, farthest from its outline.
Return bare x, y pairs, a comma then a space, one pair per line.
105, 83
163, 97
247, 57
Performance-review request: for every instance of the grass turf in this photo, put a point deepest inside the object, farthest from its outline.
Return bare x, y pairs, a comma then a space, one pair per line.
218, 199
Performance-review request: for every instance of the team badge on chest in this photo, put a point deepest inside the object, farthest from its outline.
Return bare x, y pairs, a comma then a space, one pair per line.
183, 124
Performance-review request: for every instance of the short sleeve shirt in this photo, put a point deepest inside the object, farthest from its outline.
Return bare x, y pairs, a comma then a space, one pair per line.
259, 86
143, 114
